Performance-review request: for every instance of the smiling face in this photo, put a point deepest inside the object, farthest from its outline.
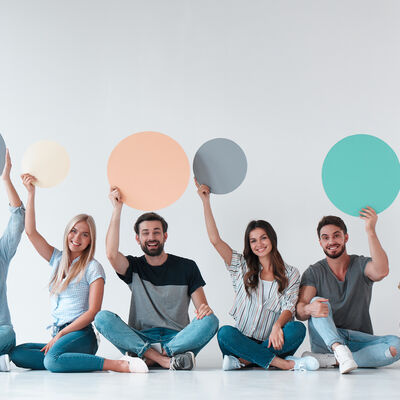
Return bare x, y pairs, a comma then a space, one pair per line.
79, 238
259, 242
333, 241
151, 238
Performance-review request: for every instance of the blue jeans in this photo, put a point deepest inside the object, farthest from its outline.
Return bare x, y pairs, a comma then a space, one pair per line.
232, 342
368, 350
192, 338
7, 339
74, 352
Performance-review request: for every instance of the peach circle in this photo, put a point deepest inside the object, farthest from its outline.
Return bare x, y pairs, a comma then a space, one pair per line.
150, 169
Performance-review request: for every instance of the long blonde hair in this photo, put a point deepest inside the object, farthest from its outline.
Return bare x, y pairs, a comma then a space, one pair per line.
65, 273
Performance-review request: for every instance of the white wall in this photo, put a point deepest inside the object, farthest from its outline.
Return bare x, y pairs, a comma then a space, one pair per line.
284, 79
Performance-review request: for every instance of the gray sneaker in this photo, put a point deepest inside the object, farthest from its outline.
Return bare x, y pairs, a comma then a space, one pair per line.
326, 360
184, 361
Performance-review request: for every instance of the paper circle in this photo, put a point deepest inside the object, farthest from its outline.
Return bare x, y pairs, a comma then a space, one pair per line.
221, 165
2, 154
151, 170
47, 161
361, 171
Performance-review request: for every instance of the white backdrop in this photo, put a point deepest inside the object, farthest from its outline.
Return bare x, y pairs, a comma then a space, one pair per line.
284, 79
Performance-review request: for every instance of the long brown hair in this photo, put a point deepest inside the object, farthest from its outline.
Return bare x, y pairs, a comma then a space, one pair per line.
253, 264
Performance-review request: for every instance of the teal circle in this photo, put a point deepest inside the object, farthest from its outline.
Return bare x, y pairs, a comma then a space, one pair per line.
361, 171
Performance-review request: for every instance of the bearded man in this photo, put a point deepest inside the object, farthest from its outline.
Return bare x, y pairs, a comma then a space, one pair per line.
335, 295
162, 285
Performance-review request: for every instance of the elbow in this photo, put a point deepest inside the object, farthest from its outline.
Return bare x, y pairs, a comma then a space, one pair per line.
215, 240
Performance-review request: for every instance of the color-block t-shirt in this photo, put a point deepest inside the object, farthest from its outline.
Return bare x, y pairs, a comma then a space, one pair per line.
161, 294
349, 299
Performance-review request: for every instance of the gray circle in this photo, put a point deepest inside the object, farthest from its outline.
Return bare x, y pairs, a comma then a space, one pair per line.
221, 165
2, 154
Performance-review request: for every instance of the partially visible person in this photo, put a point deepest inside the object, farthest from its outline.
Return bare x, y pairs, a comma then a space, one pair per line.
8, 246
266, 292
335, 296
76, 289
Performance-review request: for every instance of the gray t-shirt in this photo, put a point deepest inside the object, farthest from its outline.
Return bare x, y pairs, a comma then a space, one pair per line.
349, 299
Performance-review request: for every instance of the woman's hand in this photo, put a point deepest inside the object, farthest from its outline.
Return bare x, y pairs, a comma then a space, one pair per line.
28, 181
276, 338
51, 343
202, 190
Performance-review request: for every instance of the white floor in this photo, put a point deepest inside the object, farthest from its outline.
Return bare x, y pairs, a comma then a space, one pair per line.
203, 384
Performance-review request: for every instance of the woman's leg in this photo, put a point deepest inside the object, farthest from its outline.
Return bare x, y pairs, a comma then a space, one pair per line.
74, 352
28, 355
232, 342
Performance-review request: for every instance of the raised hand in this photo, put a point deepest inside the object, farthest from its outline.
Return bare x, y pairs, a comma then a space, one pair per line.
370, 217
202, 190
28, 180
115, 197
7, 167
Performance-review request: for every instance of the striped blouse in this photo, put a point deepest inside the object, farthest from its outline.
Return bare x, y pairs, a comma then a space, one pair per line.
254, 317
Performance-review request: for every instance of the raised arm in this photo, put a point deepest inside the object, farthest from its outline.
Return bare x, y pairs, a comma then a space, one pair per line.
12, 194
378, 268
118, 261
38, 241
222, 248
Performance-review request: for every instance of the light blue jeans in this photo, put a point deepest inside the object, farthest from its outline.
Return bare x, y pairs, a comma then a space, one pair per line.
369, 351
7, 339
74, 352
192, 338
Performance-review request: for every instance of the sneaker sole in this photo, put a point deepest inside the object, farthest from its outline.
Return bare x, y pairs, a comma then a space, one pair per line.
349, 369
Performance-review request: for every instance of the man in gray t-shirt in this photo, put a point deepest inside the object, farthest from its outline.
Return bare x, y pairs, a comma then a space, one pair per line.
335, 295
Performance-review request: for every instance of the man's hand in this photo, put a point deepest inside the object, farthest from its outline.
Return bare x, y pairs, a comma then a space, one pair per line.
318, 308
203, 311
276, 338
115, 197
370, 217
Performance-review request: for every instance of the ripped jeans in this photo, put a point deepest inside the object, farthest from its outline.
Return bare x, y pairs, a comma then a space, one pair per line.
369, 351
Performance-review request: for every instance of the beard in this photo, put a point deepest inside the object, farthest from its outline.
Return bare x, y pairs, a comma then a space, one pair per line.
336, 255
153, 252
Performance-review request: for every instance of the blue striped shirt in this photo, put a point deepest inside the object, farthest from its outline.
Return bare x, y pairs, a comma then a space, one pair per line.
255, 317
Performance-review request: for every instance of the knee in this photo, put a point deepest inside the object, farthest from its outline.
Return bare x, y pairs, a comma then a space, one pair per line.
103, 319
51, 363
212, 323
225, 333
7, 340
298, 327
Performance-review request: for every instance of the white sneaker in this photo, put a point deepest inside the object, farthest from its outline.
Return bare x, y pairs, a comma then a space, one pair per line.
345, 359
4, 363
304, 363
326, 360
136, 364
230, 363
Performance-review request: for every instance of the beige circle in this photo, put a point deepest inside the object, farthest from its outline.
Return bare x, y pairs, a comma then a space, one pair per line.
47, 161
151, 170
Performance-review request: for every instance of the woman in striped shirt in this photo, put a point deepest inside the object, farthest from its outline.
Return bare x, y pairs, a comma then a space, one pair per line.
266, 294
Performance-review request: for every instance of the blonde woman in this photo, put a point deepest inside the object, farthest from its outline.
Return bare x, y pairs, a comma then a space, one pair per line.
76, 289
